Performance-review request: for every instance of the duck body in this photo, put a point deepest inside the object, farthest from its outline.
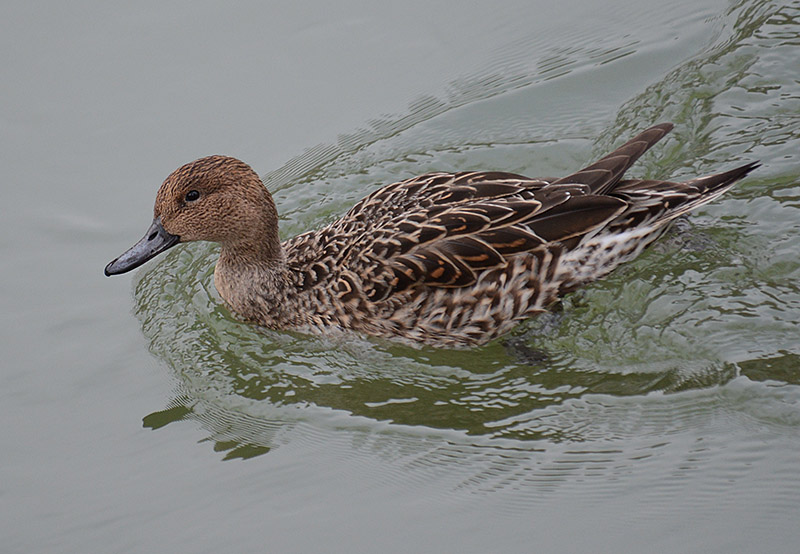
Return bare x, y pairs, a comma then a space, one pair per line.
443, 259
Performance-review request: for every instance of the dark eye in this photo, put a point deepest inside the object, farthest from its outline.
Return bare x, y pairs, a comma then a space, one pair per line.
192, 195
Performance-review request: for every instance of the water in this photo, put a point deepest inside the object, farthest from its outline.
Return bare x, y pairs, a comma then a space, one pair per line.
658, 410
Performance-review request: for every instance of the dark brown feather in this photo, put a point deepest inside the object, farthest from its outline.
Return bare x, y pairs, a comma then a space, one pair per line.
577, 216
510, 240
602, 175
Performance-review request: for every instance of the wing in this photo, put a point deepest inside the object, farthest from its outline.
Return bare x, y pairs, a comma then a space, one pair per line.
320, 253
449, 228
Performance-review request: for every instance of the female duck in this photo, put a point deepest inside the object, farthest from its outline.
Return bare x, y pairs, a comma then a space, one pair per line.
442, 259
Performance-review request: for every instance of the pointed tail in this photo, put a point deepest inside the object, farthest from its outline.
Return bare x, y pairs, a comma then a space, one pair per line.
720, 182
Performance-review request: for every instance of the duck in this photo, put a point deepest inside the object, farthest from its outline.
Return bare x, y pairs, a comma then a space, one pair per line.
447, 260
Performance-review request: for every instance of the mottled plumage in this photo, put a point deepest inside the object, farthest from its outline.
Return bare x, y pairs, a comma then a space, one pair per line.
441, 259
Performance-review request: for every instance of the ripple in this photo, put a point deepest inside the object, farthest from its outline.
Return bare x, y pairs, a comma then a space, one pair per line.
674, 380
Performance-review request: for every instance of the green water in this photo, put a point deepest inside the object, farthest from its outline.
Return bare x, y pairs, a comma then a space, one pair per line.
657, 410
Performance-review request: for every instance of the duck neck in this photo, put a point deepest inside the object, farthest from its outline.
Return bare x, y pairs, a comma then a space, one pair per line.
253, 279
262, 253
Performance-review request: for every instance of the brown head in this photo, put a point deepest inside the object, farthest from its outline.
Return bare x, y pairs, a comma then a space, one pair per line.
216, 198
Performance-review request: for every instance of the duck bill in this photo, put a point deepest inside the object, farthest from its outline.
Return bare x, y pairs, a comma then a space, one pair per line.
155, 241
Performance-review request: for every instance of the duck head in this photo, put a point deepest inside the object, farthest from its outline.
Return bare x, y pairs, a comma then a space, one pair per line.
218, 199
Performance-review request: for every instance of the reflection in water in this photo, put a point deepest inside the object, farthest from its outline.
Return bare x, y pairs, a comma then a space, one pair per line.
701, 327
480, 392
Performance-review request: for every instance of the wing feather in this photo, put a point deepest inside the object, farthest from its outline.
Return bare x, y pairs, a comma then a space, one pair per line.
450, 235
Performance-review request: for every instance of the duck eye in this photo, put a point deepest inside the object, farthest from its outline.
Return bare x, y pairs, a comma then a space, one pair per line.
192, 195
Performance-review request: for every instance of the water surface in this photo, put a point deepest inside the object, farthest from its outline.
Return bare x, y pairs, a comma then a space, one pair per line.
657, 410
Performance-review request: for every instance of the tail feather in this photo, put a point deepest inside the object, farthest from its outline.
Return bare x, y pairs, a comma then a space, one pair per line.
602, 175
658, 202
721, 181
651, 206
